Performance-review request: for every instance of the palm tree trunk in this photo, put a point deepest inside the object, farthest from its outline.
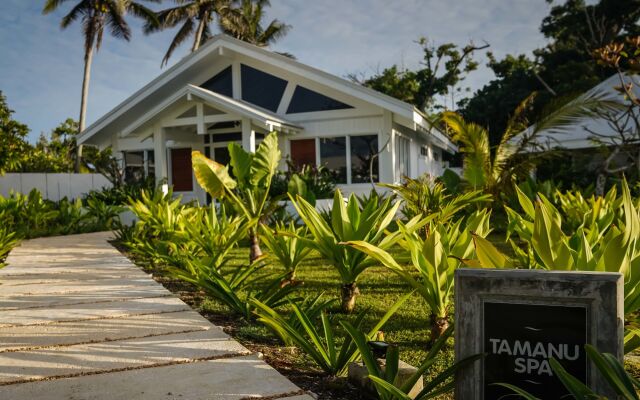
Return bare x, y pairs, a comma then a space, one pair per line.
254, 245
88, 58
349, 293
199, 32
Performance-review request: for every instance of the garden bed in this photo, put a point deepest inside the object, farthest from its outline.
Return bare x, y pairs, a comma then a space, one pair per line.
408, 328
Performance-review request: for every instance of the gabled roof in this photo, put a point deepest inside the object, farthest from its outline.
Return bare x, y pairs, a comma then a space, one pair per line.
224, 103
581, 133
220, 43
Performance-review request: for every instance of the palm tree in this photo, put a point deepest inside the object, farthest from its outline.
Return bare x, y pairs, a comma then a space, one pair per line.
196, 17
494, 170
95, 16
243, 21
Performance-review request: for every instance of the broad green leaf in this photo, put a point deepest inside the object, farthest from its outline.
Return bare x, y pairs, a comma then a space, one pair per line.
241, 161
488, 255
213, 177
265, 160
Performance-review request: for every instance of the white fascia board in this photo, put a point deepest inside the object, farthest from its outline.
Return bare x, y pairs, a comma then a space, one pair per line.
147, 90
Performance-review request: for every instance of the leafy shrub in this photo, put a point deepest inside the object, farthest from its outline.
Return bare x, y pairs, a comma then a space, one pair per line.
318, 180
8, 240
321, 347
348, 222
385, 381
285, 247
435, 257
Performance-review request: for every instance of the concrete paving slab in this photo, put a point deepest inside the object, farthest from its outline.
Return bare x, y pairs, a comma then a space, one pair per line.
39, 277
52, 362
100, 330
75, 286
224, 379
34, 316
98, 296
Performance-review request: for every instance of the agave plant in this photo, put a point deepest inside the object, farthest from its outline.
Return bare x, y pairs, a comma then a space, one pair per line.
385, 380
321, 345
249, 191
285, 247
625, 385
349, 222
435, 258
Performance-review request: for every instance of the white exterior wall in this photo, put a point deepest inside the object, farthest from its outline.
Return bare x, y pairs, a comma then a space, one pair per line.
52, 186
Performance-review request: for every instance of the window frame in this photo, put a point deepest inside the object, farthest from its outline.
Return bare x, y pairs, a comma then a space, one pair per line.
145, 161
349, 169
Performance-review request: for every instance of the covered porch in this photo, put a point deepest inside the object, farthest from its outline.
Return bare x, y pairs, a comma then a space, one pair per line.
194, 119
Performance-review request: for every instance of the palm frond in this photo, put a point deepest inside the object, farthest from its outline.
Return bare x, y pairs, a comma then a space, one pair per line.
182, 35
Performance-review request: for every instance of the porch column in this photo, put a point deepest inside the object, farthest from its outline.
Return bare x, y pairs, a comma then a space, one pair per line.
248, 136
160, 154
387, 156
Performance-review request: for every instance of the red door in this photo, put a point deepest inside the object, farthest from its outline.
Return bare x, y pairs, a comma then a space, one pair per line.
181, 171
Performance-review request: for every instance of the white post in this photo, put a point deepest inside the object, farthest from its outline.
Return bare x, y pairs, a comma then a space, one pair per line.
387, 156
160, 154
248, 136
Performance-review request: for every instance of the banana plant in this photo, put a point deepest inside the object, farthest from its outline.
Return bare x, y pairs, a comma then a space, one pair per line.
248, 189
435, 258
625, 385
348, 222
285, 247
385, 380
321, 346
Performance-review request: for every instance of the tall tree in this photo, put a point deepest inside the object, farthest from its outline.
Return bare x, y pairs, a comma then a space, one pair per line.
444, 67
196, 17
244, 21
13, 145
96, 15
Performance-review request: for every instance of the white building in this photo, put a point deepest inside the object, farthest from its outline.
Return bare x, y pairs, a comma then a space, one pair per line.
232, 91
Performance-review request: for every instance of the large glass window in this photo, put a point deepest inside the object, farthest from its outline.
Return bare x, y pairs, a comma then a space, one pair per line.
305, 100
333, 155
363, 149
402, 157
303, 152
261, 89
138, 165
221, 83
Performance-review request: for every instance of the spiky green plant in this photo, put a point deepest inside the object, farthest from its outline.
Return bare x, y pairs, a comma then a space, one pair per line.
285, 247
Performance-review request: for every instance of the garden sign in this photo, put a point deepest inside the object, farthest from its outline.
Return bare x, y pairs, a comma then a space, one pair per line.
519, 319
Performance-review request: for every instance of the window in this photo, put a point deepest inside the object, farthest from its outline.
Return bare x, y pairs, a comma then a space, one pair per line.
363, 149
305, 100
138, 165
402, 157
261, 89
333, 155
221, 83
303, 152
424, 151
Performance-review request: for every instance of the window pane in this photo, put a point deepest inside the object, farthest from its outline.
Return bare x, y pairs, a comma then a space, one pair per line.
363, 148
402, 157
305, 100
261, 89
221, 155
134, 158
226, 137
303, 152
221, 83
151, 163
333, 155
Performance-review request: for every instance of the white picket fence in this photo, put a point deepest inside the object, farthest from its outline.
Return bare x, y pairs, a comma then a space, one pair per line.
52, 186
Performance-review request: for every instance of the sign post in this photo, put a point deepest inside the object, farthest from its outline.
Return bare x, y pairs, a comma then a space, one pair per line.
520, 319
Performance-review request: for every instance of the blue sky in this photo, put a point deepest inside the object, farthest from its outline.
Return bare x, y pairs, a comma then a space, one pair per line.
41, 66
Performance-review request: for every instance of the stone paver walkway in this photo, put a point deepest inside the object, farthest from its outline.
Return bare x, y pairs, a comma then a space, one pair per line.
79, 321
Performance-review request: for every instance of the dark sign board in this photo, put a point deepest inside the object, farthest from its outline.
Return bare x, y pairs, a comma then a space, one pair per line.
519, 340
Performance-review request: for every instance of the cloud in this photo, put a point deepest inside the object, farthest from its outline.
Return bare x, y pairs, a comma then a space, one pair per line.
41, 66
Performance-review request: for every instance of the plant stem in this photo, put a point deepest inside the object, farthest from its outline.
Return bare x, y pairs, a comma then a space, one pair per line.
349, 293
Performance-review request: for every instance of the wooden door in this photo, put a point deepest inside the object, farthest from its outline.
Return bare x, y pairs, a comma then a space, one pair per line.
181, 171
